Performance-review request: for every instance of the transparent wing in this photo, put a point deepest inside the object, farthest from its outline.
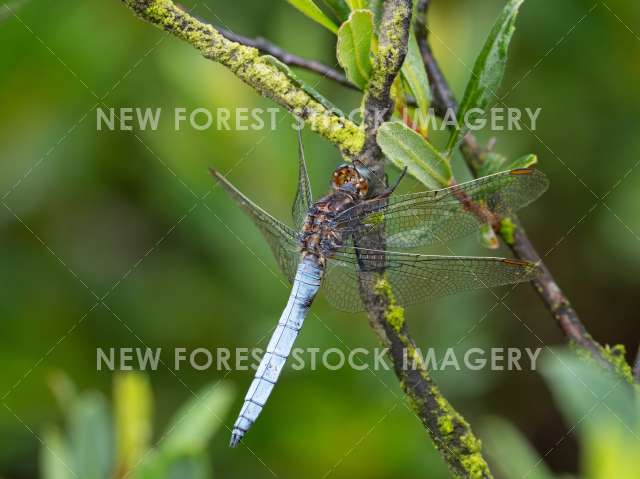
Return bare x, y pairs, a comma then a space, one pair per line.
304, 198
429, 217
416, 278
282, 240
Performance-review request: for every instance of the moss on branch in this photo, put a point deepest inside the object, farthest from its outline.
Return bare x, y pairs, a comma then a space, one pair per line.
254, 69
450, 432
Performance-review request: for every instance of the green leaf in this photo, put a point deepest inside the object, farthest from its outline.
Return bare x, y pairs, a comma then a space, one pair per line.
354, 45
588, 395
133, 409
495, 163
357, 4
188, 467
404, 147
311, 10
513, 455
603, 408
339, 8
91, 438
173, 466
489, 67
197, 421
299, 83
55, 462
415, 75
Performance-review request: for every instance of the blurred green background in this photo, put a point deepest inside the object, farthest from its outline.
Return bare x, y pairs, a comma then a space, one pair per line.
90, 213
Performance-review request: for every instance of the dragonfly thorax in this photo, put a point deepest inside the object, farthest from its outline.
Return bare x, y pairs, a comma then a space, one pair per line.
320, 237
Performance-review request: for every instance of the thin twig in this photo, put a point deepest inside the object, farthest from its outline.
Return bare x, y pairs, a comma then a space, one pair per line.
265, 46
450, 432
443, 98
545, 284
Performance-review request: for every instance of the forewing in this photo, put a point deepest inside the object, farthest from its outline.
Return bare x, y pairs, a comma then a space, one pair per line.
282, 240
304, 198
417, 278
420, 219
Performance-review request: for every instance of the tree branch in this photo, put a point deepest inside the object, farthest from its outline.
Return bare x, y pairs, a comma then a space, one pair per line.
265, 46
254, 69
545, 284
449, 431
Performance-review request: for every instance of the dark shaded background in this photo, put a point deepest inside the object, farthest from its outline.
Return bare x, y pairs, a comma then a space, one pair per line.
82, 207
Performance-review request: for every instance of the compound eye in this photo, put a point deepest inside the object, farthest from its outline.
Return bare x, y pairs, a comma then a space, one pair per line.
342, 176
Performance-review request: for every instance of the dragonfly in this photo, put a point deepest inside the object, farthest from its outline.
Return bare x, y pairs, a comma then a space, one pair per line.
336, 247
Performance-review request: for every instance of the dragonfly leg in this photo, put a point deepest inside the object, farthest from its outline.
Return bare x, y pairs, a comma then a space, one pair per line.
388, 191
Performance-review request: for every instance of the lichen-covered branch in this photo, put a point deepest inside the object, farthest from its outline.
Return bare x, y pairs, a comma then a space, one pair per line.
253, 68
545, 284
265, 46
449, 431
378, 106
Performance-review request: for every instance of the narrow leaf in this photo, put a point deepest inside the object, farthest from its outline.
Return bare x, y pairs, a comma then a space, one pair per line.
357, 4
339, 8
55, 462
133, 406
415, 75
587, 394
489, 67
405, 148
198, 420
91, 438
311, 10
354, 45
513, 455
495, 163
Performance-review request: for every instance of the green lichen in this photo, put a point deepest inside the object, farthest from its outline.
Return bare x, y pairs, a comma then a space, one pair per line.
254, 69
452, 434
507, 231
394, 314
473, 462
616, 355
391, 50
445, 424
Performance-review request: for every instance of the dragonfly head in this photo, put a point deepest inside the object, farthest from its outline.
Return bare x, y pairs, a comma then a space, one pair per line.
347, 177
